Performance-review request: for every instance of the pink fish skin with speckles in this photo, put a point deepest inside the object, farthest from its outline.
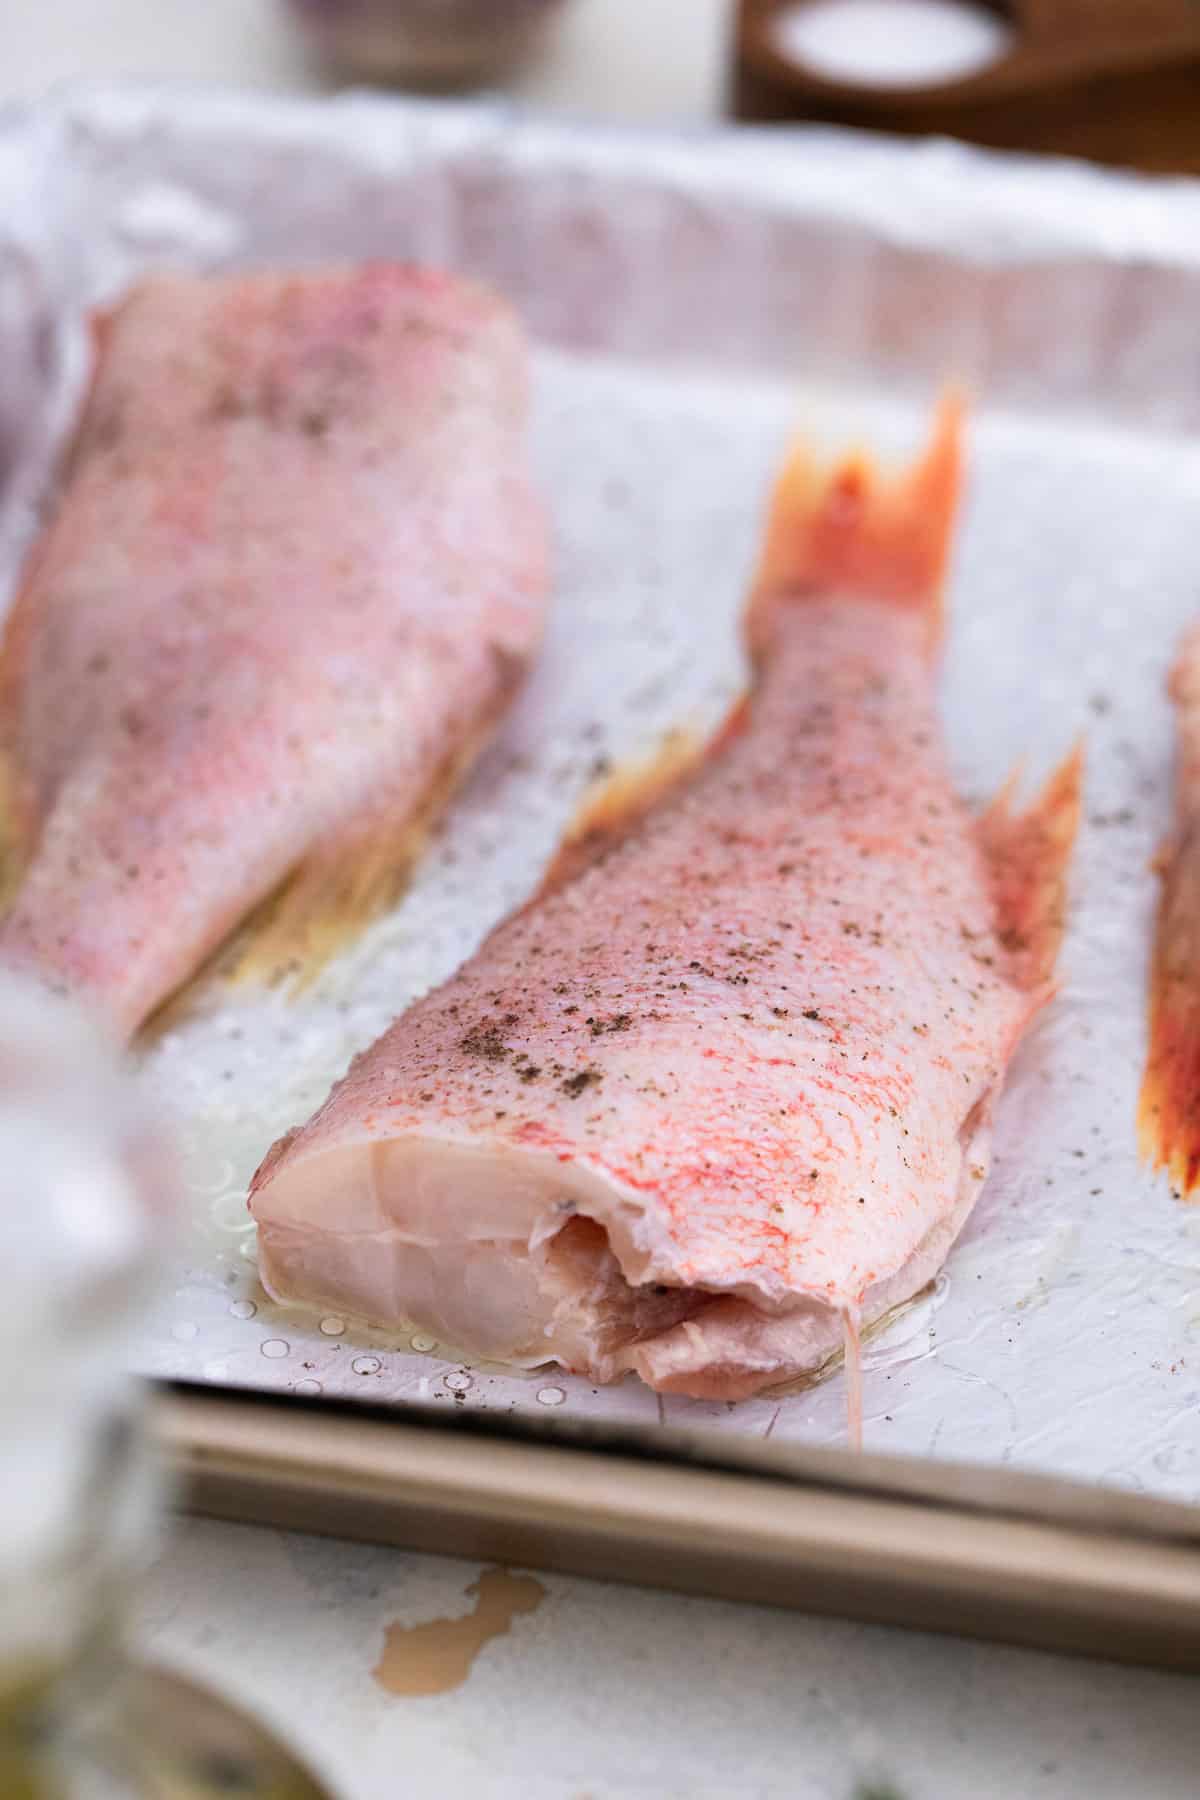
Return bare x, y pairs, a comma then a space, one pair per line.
293, 572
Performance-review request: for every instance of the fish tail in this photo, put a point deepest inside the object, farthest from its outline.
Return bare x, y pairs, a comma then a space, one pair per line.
851, 530
1028, 856
1169, 1105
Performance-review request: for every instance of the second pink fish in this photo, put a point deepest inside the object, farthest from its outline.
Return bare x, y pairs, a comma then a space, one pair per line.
293, 574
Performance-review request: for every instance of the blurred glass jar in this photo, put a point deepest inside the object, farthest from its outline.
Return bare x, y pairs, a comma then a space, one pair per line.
430, 42
84, 1189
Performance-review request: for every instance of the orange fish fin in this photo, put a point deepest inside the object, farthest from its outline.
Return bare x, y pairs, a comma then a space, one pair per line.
618, 802
850, 530
1169, 1106
1028, 856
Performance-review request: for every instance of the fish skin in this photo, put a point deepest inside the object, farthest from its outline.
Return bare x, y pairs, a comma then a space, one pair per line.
755, 1044
293, 574
1169, 1103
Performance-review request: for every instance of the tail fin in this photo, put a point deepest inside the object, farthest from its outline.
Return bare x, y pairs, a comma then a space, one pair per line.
1029, 856
849, 530
1169, 1107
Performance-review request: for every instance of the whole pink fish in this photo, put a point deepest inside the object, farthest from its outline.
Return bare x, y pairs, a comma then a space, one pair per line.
728, 1086
292, 575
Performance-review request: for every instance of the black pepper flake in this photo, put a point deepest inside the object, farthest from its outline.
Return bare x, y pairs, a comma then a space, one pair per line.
576, 1084
615, 1022
810, 1012
484, 1040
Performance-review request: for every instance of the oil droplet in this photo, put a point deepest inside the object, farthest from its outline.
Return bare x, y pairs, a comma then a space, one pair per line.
423, 1342
434, 1657
184, 1330
332, 1326
242, 1309
249, 1246
274, 1348
211, 1183
458, 1381
230, 1213
551, 1396
366, 1365
308, 1386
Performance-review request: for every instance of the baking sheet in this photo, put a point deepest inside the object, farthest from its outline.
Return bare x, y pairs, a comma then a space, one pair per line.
692, 301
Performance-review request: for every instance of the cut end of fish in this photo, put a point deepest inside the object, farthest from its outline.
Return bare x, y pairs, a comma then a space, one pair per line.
850, 530
500, 1252
1169, 1107
1029, 859
516, 1257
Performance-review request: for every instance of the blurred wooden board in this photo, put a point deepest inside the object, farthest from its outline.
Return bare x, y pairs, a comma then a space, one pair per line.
1114, 80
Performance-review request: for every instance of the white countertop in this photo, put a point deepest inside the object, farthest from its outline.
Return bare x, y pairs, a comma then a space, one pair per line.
602, 1691
619, 58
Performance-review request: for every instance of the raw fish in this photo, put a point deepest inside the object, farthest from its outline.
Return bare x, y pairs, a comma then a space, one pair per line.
293, 574
724, 1090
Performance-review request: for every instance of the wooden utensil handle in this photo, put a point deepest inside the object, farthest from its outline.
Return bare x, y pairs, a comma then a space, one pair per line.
1081, 22
1115, 79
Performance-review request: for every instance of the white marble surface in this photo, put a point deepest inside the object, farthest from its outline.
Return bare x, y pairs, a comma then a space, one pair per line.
603, 1691
608, 1692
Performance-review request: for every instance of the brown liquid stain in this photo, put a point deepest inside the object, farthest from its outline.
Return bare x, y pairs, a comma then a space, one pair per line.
437, 1656
10, 837
851, 1330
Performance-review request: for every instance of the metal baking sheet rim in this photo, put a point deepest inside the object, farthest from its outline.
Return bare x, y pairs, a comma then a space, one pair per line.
992, 1554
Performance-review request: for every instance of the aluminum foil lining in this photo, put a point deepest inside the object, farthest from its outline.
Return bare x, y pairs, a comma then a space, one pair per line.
693, 300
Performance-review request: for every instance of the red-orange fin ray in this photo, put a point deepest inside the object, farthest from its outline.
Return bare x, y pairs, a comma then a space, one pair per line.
1169, 1105
1028, 856
851, 530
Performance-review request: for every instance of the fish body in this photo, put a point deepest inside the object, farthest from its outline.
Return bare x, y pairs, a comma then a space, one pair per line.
293, 572
1169, 1108
730, 1082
